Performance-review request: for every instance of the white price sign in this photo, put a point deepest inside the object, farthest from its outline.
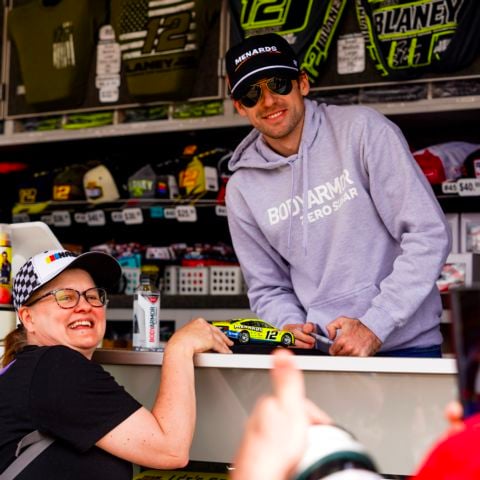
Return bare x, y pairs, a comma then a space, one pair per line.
47, 219
351, 54
169, 213
133, 216
117, 217
221, 210
21, 218
61, 218
80, 217
468, 187
96, 218
186, 213
449, 187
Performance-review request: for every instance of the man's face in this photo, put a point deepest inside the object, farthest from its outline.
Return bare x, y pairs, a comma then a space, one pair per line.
278, 117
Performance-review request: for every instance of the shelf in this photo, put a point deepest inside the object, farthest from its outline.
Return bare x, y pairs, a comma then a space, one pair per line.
229, 119
186, 301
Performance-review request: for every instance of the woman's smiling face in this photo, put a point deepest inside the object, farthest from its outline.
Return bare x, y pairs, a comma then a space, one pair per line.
80, 328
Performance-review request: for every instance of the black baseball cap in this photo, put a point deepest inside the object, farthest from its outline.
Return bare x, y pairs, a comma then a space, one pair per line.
258, 57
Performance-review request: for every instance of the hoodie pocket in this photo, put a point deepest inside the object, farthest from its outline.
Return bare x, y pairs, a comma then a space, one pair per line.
351, 304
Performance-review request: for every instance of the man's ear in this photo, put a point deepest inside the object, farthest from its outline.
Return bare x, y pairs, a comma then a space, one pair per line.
25, 316
303, 84
239, 107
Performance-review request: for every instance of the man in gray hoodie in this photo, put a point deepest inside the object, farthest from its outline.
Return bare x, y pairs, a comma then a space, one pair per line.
336, 228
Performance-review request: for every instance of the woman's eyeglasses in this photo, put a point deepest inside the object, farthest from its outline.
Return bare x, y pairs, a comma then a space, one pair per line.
69, 297
278, 85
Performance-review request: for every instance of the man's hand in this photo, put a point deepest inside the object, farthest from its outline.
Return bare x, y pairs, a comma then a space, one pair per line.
355, 339
302, 332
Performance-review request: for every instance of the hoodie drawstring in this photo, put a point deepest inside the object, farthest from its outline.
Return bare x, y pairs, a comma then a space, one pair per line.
292, 185
304, 159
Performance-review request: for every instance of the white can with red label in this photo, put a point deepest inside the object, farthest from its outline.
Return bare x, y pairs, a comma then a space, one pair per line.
146, 318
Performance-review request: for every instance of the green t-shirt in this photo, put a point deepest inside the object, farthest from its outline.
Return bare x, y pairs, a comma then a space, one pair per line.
161, 44
55, 46
309, 26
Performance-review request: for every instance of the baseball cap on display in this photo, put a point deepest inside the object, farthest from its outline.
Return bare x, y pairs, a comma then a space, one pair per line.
444, 161
142, 183
259, 57
43, 267
99, 185
68, 184
37, 187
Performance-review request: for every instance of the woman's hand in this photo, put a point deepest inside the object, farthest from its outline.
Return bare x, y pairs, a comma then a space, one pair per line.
200, 336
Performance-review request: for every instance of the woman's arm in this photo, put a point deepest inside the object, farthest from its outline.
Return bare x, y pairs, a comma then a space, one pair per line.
162, 438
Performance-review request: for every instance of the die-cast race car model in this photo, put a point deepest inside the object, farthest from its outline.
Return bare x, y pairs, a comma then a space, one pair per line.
254, 330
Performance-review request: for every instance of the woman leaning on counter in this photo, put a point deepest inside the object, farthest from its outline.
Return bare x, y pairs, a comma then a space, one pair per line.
49, 383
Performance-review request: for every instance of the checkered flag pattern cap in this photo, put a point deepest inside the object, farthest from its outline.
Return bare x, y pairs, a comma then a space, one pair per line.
25, 283
43, 267
37, 271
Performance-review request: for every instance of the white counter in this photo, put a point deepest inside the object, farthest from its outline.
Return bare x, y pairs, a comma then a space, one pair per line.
393, 405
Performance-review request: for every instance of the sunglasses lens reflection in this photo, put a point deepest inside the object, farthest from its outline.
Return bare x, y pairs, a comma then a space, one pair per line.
276, 85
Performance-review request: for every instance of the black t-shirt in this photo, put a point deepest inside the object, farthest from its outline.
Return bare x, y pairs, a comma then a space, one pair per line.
58, 391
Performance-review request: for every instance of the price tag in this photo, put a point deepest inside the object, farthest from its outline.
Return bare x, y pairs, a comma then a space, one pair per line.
47, 219
117, 217
80, 217
186, 213
61, 218
133, 216
107, 81
21, 218
170, 213
211, 179
351, 54
449, 187
221, 210
468, 187
109, 58
106, 95
96, 218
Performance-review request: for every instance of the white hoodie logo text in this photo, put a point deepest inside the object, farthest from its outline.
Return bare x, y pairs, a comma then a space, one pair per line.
324, 199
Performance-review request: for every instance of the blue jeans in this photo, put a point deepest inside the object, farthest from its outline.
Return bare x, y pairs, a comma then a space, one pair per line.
434, 351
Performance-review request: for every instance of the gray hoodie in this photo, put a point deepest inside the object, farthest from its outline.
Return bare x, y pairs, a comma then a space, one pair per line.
349, 226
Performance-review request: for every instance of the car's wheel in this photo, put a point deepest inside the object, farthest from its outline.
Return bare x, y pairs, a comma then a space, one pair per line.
243, 337
287, 340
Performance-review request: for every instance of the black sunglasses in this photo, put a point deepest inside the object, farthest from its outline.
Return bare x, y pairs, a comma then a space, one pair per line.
277, 85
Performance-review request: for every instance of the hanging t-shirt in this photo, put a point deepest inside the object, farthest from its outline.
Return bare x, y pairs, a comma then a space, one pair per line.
55, 44
161, 42
308, 25
406, 38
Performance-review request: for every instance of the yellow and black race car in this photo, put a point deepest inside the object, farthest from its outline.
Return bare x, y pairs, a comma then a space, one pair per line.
254, 330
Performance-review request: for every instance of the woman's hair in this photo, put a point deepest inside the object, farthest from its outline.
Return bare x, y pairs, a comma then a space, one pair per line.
15, 341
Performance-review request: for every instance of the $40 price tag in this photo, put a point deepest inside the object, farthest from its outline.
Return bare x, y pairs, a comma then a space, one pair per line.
468, 186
